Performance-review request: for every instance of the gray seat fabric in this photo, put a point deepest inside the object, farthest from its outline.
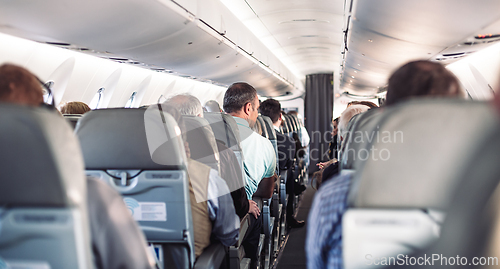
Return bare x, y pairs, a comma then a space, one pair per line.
362, 130
201, 139
141, 154
407, 181
225, 129
42, 191
72, 119
421, 145
268, 123
471, 226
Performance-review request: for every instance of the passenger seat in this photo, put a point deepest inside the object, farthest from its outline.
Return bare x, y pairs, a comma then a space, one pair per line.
402, 192
43, 209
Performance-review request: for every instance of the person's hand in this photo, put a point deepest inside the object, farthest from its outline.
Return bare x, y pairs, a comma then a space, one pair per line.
253, 208
321, 165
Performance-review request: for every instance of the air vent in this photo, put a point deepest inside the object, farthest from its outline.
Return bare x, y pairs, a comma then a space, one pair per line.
453, 54
488, 36
59, 44
118, 59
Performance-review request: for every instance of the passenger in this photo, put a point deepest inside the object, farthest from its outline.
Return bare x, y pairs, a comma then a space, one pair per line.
366, 103
304, 137
215, 217
286, 153
75, 108
212, 106
241, 102
117, 241
230, 168
324, 234
331, 168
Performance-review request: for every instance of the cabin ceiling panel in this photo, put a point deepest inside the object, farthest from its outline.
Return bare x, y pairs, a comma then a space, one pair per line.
383, 35
426, 22
261, 7
284, 25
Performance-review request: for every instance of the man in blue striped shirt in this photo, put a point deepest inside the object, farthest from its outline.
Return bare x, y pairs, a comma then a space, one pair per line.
324, 232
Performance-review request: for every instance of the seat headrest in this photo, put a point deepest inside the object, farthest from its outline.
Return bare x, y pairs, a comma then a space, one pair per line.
356, 140
200, 137
72, 119
129, 138
262, 125
40, 159
292, 122
286, 127
225, 129
268, 123
416, 150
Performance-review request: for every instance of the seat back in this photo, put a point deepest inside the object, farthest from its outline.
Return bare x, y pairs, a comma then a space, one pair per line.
72, 119
271, 133
471, 227
361, 132
259, 124
226, 130
201, 141
286, 127
411, 170
44, 220
140, 153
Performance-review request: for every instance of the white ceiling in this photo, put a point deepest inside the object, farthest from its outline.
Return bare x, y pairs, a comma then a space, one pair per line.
306, 35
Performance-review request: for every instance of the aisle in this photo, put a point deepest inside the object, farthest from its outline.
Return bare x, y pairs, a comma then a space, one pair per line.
294, 255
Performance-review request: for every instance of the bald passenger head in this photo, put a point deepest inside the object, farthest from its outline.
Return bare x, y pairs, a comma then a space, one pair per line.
19, 86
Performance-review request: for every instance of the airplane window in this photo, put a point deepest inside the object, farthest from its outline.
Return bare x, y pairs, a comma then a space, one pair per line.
131, 100
97, 99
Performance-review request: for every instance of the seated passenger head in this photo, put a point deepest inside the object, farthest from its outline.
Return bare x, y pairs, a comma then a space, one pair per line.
421, 78
186, 104
272, 109
366, 103
240, 100
212, 106
347, 116
335, 125
20, 86
75, 108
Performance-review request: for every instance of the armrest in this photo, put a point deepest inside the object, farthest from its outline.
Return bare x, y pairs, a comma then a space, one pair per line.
244, 224
212, 257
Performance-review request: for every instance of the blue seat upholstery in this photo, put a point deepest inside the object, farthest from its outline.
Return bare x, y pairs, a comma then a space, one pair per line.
43, 210
141, 154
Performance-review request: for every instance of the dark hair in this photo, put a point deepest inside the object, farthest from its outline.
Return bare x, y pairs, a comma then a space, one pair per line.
21, 78
421, 78
336, 120
271, 108
237, 96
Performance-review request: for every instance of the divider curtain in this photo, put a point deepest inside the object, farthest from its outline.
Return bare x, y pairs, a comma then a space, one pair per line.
318, 116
